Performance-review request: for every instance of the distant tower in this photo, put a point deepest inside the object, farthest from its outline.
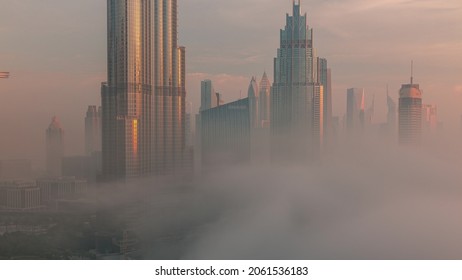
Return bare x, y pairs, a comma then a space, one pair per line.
325, 79
461, 122
207, 94
369, 113
410, 114
254, 103
265, 100
218, 100
429, 118
318, 118
93, 130
55, 148
391, 116
355, 110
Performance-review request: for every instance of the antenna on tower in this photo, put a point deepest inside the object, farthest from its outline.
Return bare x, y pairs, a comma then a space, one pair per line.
412, 72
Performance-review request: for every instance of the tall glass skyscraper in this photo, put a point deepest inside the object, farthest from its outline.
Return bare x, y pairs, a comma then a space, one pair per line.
207, 94
391, 116
355, 111
143, 101
254, 103
325, 79
93, 130
55, 148
410, 114
265, 100
296, 125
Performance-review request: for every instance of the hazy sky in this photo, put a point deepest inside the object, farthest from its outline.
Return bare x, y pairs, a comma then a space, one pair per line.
56, 53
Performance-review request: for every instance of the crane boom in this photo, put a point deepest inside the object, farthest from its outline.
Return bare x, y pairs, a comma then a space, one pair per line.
4, 75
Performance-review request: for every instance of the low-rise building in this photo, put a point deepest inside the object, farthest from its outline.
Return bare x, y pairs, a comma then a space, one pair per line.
61, 188
19, 196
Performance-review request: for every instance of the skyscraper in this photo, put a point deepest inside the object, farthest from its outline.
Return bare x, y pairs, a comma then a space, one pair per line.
265, 100
369, 114
410, 114
207, 95
391, 116
429, 118
294, 91
55, 148
226, 135
218, 100
254, 103
355, 111
325, 79
93, 130
143, 101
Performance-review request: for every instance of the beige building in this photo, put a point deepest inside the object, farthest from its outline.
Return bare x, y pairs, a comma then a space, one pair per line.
19, 195
61, 188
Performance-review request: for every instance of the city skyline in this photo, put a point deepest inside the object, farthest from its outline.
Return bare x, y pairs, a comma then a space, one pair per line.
363, 61
251, 138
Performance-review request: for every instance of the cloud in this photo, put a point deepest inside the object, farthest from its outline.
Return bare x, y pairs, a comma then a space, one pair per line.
370, 203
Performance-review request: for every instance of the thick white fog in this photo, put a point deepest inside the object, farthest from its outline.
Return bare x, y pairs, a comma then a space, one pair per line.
366, 202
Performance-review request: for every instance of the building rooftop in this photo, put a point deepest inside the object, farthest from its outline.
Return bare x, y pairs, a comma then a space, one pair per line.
410, 91
55, 123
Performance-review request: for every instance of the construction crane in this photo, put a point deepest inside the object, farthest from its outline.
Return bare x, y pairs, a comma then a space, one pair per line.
4, 75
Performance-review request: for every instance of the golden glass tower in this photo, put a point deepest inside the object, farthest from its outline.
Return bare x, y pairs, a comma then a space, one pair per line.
143, 100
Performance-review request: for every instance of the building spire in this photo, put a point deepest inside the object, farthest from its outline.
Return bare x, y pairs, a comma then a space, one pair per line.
412, 72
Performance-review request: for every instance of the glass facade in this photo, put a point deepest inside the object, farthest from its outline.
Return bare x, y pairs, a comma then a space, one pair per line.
293, 121
265, 100
355, 111
225, 135
143, 101
410, 115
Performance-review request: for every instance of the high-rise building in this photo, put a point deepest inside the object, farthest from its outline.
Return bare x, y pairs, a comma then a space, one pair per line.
295, 88
461, 122
317, 116
207, 95
391, 116
218, 100
55, 148
226, 135
254, 103
410, 114
143, 101
369, 114
265, 101
325, 79
189, 135
93, 130
429, 118
355, 111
